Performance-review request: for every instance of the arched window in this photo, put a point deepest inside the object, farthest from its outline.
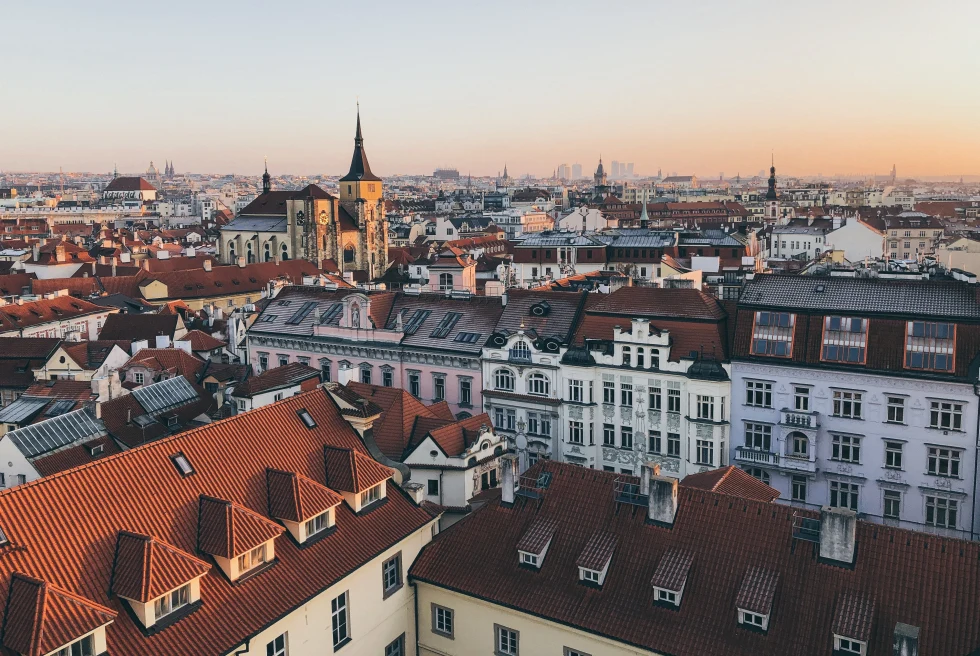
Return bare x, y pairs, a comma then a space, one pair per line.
800, 444
268, 254
349, 254
503, 380
538, 384
250, 256
521, 351
285, 252
445, 281
231, 252
761, 474
627, 357
640, 358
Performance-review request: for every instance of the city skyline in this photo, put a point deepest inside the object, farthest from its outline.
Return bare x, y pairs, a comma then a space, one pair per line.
689, 89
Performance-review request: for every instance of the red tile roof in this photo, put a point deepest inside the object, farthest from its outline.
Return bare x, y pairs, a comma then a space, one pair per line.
74, 456
352, 471
757, 590
129, 184
854, 616
78, 390
76, 286
227, 529
142, 491
201, 341
660, 302
14, 284
393, 430
732, 481
538, 536
40, 617
727, 536
34, 313
598, 550
297, 498
288, 375
145, 568
166, 360
229, 280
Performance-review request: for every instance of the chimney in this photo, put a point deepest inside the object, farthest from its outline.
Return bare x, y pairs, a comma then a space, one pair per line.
207, 265
345, 373
662, 505
241, 261
163, 341
508, 478
647, 470
138, 345
838, 530
837, 222
416, 491
906, 640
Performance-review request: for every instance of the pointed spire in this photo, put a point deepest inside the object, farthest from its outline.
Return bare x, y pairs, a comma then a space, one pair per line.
358, 138
266, 178
644, 215
115, 171
360, 170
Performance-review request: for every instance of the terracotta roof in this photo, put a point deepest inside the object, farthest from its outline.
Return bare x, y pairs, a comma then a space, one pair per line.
727, 537
757, 590
75, 456
732, 481
145, 568
228, 280
78, 390
14, 284
92, 354
201, 341
170, 360
287, 375
672, 570
352, 471
686, 336
40, 617
854, 616
34, 313
227, 529
660, 302
129, 184
393, 430
139, 326
296, 498
454, 438
31, 348
75, 286
598, 550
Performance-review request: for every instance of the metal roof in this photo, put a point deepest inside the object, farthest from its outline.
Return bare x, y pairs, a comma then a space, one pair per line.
52, 434
165, 394
256, 224
22, 409
59, 407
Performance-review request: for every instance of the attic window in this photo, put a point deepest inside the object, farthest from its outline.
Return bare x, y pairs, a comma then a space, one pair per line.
269, 318
446, 325
283, 303
306, 418
96, 449
468, 338
3, 539
182, 464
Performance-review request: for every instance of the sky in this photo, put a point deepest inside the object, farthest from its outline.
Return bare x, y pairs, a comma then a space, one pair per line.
706, 87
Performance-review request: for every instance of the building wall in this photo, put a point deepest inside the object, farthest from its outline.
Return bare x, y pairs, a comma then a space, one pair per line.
13, 463
857, 240
870, 475
79, 329
374, 622
474, 632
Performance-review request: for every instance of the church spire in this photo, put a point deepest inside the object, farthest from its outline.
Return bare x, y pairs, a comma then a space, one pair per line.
266, 178
771, 193
360, 170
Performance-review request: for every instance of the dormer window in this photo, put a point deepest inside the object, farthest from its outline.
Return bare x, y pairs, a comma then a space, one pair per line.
83, 647
748, 618
848, 646
370, 495
853, 621
533, 546
667, 596
930, 345
172, 601
319, 523
529, 559
521, 351
772, 334
670, 578
252, 559
755, 597
593, 562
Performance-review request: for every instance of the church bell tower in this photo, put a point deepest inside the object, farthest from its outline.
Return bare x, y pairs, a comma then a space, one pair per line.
361, 195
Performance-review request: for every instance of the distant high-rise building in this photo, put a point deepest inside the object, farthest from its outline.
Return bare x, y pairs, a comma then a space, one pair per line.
629, 169
576, 171
615, 169
564, 172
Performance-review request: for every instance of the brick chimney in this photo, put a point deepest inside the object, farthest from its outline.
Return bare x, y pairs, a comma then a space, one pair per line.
906, 640
508, 478
838, 535
662, 505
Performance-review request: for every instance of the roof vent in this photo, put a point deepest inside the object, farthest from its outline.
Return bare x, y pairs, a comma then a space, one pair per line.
820, 289
906, 640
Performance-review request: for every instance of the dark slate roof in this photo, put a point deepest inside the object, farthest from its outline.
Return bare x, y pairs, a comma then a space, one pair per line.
952, 300
547, 313
360, 170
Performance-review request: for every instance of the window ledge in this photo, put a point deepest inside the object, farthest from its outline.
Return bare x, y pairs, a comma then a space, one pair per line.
391, 591
166, 620
448, 636
343, 643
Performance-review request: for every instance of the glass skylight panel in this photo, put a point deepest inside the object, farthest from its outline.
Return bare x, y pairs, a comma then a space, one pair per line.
306, 418
446, 325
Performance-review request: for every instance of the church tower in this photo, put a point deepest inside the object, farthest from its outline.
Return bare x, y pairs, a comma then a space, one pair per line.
601, 182
361, 195
772, 198
266, 178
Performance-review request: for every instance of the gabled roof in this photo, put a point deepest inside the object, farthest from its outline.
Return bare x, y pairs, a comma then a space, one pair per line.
733, 481
139, 326
145, 568
352, 471
40, 618
227, 529
34, 313
92, 354
296, 498
201, 341
170, 360
289, 375
129, 184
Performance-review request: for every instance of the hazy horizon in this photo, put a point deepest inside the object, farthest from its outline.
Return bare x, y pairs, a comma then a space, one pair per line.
833, 88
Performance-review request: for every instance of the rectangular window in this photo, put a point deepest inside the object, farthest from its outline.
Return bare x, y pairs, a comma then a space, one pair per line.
391, 575
893, 504
846, 448
706, 407
251, 559
370, 495
673, 400
626, 394
941, 512
626, 437
706, 452
387, 378
442, 621
465, 392
277, 647
799, 488
511, 419
397, 647
506, 641
893, 455
844, 495
896, 410
758, 436
608, 391
415, 384
674, 445
325, 371
772, 334
946, 415
608, 435
338, 621
575, 432
844, 340
655, 398
439, 384
654, 445
847, 404
433, 487
366, 375
317, 524
847, 646
138, 377
801, 398
929, 345
758, 394
171, 601
576, 391
943, 462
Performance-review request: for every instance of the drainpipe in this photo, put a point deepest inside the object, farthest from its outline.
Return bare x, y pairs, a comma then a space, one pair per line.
244, 650
416, 594
976, 458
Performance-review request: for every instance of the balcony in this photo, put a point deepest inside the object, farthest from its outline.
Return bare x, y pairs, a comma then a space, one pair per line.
798, 419
748, 455
519, 355
756, 456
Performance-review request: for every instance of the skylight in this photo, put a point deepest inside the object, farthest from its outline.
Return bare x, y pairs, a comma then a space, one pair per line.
332, 313
415, 321
446, 325
3, 538
182, 464
301, 313
306, 418
468, 338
